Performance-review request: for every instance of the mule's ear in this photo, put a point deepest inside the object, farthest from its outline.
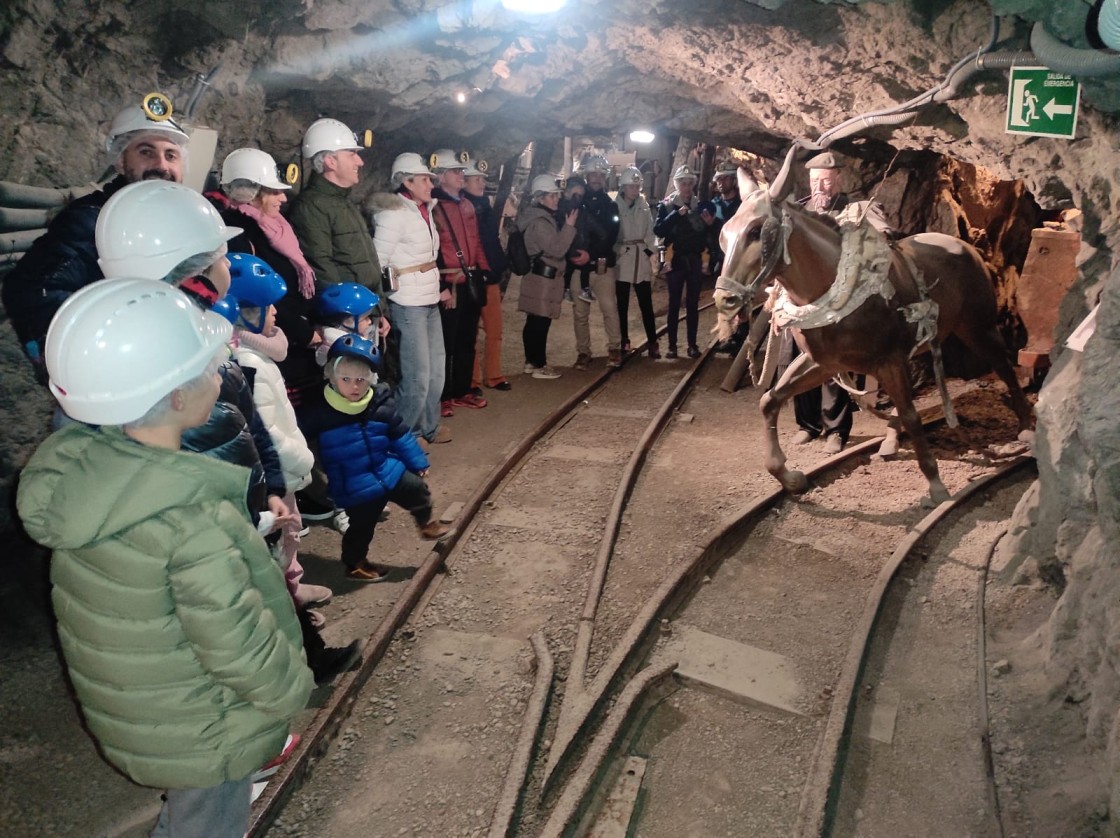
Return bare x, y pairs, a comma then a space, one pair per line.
783, 183
746, 184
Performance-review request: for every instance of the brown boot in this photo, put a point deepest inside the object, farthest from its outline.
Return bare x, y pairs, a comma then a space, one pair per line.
433, 530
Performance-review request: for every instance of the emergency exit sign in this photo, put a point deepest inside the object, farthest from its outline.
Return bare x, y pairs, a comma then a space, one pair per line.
1042, 103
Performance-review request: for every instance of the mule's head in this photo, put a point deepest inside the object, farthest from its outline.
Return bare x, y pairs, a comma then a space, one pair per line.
746, 240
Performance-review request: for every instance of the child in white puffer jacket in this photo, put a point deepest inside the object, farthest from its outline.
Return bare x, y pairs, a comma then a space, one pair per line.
258, 347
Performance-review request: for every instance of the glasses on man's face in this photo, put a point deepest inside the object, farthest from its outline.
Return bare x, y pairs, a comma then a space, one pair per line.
347, 380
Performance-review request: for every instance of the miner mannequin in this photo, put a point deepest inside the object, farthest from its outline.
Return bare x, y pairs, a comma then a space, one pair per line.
825, 411
144, 144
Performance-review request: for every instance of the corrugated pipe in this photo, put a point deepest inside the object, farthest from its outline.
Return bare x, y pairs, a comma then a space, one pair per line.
901, 113
1108, 24
1062, 58
989, 61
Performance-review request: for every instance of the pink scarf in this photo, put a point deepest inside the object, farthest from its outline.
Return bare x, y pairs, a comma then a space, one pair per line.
275, 347
281, 236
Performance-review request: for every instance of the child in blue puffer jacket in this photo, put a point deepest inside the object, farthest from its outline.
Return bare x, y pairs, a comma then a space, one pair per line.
369, 454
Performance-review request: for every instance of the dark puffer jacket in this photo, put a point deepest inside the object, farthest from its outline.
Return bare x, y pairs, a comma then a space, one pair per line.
601, 225
688, 234
363, 454
488, 229
235, 434
61, 261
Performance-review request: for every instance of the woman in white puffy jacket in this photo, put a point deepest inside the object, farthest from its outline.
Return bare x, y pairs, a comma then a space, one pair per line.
635, 251
407, 244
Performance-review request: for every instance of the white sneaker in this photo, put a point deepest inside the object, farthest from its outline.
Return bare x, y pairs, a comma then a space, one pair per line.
313, 594
341, 521
530, 369
546, 372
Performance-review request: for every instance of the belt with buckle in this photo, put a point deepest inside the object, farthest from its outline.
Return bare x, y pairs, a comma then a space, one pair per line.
416, 269
541, 269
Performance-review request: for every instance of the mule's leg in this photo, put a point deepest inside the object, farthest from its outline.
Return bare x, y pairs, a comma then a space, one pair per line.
803, 374
889, 446
896, 380
987, 343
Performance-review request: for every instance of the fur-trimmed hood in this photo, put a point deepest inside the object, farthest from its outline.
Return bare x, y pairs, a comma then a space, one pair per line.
390, 202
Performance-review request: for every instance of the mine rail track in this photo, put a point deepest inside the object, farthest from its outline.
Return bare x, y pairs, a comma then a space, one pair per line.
797, 748
326, 722
567, 749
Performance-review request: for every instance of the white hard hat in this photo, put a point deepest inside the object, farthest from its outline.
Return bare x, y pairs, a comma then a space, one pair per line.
252, 164
596, 163
444, 159
544, 184
133, 120
407, 165
630, 176
147, 228
684, 173
118, 346
476, 168
329, 135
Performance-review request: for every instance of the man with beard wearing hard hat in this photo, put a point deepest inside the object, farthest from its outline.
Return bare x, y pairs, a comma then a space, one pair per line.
144, 143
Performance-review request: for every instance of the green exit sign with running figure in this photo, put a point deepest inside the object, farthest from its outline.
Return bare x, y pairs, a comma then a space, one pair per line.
1042, 103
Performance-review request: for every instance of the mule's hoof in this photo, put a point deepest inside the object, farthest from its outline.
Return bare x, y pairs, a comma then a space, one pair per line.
935, 498
887, 450
795, 483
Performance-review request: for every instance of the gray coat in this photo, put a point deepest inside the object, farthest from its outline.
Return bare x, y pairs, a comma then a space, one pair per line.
550, 245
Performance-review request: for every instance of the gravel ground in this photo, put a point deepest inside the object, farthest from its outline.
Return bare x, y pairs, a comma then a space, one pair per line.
426, 749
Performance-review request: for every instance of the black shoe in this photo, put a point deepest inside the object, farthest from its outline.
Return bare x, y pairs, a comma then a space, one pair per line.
693, 352
672, 353
334, 660
309, 510
504, 386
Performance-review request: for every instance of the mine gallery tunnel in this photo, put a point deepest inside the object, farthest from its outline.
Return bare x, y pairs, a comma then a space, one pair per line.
916, 99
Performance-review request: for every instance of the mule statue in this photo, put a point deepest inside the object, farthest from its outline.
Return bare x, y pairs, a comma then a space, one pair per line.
858, 304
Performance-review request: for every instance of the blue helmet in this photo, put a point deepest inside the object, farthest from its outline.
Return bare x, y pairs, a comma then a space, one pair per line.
357, 347
346, 299
254, 285
227, 307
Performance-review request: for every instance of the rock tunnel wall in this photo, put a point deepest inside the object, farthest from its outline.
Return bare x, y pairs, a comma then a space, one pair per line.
748, 75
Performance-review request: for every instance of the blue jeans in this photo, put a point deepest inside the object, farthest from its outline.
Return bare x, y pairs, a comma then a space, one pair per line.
221, 811
422, 365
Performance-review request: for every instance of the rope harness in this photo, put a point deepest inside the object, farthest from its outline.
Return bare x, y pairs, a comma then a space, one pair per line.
862, 272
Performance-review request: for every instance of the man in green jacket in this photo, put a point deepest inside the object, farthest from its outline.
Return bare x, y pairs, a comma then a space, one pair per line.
177, 628
331, 231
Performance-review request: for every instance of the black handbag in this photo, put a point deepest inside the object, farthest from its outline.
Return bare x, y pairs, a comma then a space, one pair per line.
475, 277
476, 285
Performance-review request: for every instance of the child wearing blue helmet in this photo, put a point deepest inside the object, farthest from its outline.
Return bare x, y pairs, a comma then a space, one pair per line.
260, 347
346, 308
370, 455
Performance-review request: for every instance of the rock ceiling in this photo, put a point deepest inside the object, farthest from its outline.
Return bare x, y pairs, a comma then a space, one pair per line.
747, 74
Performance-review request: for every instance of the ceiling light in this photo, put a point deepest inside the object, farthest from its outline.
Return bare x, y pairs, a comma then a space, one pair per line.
461, 97
534, 7
641, 136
